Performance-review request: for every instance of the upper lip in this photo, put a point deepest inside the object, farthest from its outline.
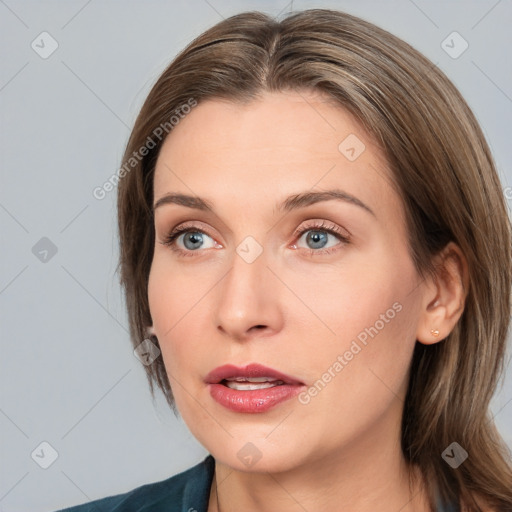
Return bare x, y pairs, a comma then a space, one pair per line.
251, 370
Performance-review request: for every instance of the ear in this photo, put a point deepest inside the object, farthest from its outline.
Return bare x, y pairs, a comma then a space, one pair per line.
444, 297
150, 331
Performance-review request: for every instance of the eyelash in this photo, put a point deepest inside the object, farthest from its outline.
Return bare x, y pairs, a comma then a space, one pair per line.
318, 226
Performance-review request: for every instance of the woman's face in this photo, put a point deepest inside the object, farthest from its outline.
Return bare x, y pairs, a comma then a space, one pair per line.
301, 265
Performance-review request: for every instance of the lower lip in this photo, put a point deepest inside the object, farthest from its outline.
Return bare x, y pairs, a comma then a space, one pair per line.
256, 400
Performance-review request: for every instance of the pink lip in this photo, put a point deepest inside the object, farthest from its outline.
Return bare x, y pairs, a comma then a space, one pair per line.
251, 370
254, 401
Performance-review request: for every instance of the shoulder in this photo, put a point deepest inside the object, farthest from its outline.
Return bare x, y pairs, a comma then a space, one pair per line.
189, 489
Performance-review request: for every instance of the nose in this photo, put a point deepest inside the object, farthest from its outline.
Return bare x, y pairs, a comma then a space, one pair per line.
248, 303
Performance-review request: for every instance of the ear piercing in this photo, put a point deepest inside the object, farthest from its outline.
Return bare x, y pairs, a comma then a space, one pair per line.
434, 332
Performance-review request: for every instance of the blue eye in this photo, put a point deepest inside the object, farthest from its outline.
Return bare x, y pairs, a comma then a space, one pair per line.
192, 239
317, 238
188, 240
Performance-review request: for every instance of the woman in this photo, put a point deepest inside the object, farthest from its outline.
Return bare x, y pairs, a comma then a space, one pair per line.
314, 236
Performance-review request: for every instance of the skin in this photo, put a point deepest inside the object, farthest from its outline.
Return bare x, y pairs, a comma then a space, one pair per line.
294, 309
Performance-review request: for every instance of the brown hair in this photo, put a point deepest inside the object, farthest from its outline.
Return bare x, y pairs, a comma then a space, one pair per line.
446, 176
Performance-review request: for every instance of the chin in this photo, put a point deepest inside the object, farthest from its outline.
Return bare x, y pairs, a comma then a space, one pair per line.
255, 454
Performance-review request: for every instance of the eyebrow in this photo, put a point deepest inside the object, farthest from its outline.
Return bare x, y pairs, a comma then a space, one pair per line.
290, 203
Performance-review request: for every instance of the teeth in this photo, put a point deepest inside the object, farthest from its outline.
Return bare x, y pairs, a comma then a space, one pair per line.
250, 385
251, 379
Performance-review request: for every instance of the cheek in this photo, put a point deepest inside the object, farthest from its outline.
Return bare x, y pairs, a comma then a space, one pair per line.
176, 301
171, 292
355, 300
165, 303
365, 326
376, 363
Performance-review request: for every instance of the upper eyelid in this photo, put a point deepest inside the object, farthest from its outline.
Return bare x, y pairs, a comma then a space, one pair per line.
321, 225
334, 230
307, 225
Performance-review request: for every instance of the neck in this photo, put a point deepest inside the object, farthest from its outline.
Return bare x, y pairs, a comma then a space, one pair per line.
325, 488
367, 475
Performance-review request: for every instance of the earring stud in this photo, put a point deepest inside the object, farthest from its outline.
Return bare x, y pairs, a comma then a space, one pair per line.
434, 332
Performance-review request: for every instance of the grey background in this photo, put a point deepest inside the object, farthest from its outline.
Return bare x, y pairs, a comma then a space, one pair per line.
68, 375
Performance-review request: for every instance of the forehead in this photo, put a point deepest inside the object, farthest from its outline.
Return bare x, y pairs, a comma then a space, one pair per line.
272, 146
305, 124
